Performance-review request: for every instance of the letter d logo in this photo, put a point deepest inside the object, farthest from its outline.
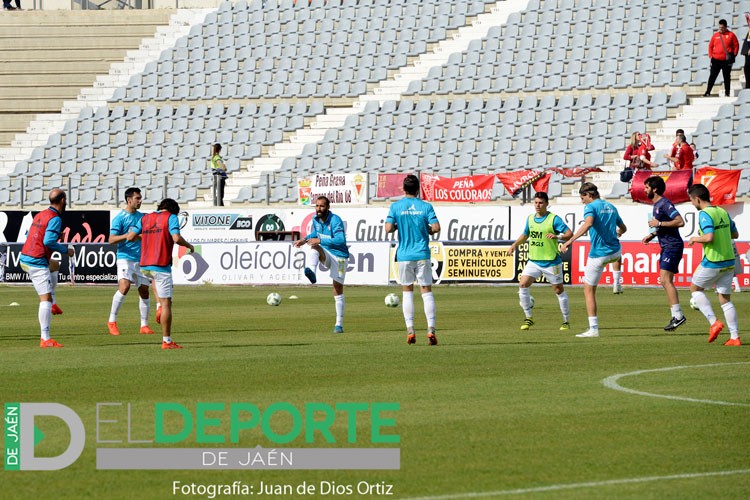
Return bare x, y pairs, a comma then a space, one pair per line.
26, 436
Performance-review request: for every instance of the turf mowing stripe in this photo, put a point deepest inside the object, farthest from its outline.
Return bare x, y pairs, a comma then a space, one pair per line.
592, 484
611, 382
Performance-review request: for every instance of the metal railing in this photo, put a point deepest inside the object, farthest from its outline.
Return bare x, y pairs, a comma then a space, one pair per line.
110, 4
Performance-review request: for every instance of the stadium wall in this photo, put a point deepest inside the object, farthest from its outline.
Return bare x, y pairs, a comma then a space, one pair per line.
471, 247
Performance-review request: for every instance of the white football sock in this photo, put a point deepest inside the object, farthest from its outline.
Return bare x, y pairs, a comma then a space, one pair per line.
54, 278
340, 304
408, 307
676, 311
117, 301
594, 323
45, 315
704, 305
145, 308
313, 257
562, 299
616, 275
429, 308
730, 314
524, 295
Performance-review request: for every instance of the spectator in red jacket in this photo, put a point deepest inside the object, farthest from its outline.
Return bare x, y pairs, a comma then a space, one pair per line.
675, 144
722, 49
683, 157
637, 152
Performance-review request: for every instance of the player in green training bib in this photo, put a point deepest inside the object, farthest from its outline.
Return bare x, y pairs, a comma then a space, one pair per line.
543, 231
717, 230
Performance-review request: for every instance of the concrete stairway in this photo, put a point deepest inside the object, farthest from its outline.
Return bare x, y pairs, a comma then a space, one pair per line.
109, 47
48, 56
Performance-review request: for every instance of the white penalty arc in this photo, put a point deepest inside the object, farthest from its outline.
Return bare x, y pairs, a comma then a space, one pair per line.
591, 484
612, 382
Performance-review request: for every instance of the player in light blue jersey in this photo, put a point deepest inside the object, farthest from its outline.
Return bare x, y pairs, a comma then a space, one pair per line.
327, 243
603, 222
128, 262
415, 221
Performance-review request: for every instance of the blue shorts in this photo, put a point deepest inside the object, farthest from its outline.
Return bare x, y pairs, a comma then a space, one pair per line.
670, 259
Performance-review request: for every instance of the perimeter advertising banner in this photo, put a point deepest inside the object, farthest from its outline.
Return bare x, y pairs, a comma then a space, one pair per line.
640, 264
274, 262
488, 262
94, 264
84, 226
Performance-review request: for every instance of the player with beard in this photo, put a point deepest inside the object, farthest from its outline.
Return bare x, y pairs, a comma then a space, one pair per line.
327, 243
36, 258
665, 225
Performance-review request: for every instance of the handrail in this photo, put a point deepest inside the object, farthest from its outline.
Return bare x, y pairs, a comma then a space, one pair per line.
119, 4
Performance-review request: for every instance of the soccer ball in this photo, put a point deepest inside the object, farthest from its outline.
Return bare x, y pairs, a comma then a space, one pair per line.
693, 305
273, 299
391, 300
531, 301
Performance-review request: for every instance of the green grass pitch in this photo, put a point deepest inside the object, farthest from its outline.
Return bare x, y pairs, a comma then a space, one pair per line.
489, 410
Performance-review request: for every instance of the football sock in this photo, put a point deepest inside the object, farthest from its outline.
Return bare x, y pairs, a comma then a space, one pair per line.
562, 299
616, 275
166, 339
594, 323
313, 257
45, 315
340, 303
730, 314
704, 305
676, 311
429, 308
524, 294
54, 277
117, 301
144, 307
408, 308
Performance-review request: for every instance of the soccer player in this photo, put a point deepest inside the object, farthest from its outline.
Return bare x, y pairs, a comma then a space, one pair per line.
716, 232
327, 243
415, 221
128, 262
665, 225
159, 232
543, 231
36, 258
606, 226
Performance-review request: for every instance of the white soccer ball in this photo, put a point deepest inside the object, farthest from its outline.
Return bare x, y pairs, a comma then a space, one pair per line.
273, 299
392, 300
693, 305
531, 301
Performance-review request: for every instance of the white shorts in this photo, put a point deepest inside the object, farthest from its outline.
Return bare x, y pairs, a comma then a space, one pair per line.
595, 267
410, 271
40, 278
131, 271
336, 266
553, 273
705, 277
162, 283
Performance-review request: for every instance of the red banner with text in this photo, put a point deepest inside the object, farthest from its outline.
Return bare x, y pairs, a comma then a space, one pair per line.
722, 184
677, 182
470, 189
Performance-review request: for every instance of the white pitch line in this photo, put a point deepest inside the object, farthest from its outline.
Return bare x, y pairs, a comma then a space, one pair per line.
592, 484
611, 382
